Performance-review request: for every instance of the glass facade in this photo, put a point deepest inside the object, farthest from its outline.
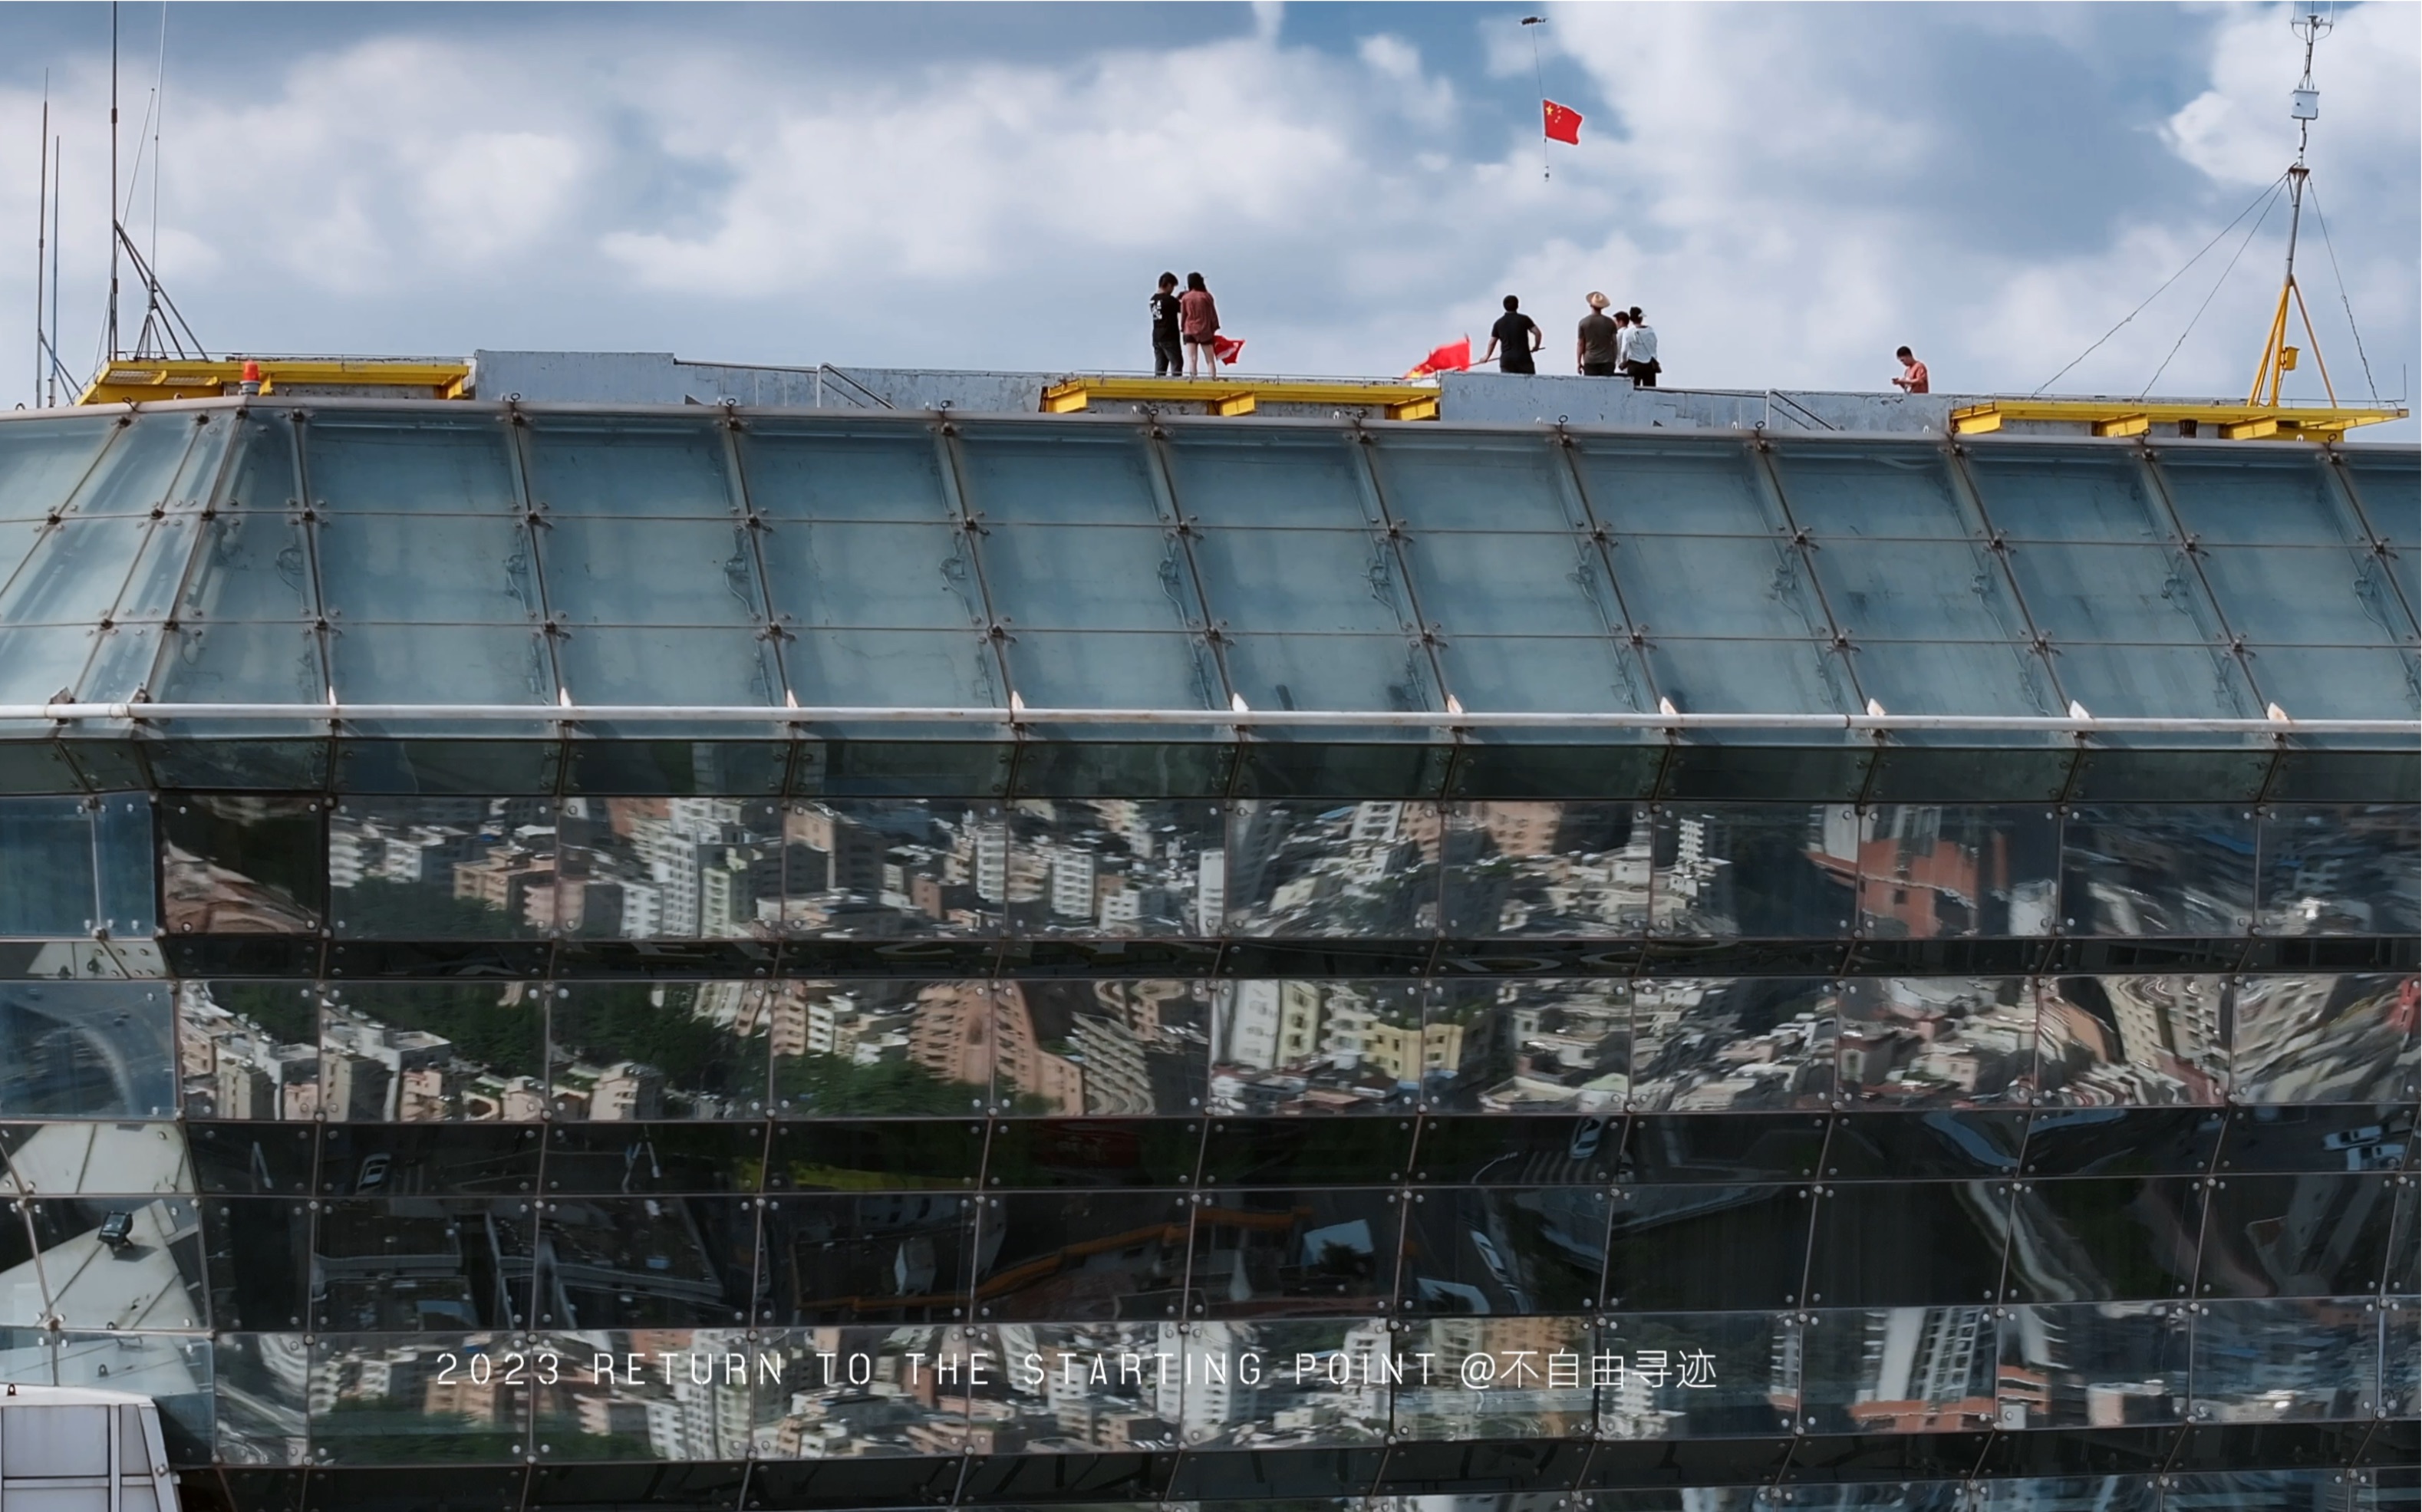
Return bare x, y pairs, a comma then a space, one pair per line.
842, 1109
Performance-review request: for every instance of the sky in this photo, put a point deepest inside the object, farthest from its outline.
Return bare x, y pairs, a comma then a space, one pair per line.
1789, 191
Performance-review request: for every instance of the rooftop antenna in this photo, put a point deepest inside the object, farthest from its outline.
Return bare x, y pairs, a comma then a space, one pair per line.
1539, 70
41, 240
2311, 23
165, 333
109, 335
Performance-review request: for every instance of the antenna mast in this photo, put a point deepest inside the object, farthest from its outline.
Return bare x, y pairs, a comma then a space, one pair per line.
109, 338
42, 242
2312, 23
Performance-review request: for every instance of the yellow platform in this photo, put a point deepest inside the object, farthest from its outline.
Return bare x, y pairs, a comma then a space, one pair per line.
2230, 422
127, 379
1241, 396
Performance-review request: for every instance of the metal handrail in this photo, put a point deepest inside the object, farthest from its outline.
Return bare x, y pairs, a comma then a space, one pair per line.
1235, 718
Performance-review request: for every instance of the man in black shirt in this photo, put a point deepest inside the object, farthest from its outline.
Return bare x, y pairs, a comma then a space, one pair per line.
1168, 357
1513, 339
1594, 351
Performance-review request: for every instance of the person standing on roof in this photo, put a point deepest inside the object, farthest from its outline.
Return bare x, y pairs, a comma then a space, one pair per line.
1199, 317
1594, 350
1912, 379
1639, 354
1513, 339
1165, 360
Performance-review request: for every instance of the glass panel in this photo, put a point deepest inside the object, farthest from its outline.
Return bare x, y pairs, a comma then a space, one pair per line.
882, 575
1067, 1257
2114, 594
1493, 1151
2130, 1040
646, 1262
444, 869
2083, 1141
1324, 1046
2106, 1365
151, 465
1270, 480
86, 1050
1724, 587
2160, 682
1873, 491
237, 662
42, 461
1365, 869
654, 1395
915, 669
1324, 672
1051, 1153
1707, 1248
417, 1399
251, 566
71, 1159
1508, 584
2318, 1137
1751, 676
1899, 1370
1535, 674
1113, 669
1121, 868
1134, 579
1272, 1152
877, 1048
124, 857
2123, 1239
2339, 682
1102, 1049
2297, 596
827, 472
262, 1402
2340, 871
1639, 488
1313, 582
2384, 480
682, 868
46, 868
1268, 1385
1913, 1041
649, 665
867, 1258
434, 1052
878, 869
1547, 870
2286, 1362
75, 571
1693, 1375
1075, 1390
1916, 590
249, 1050
1954, 677
1475, 483
1751, 1043
1501, 1378
441, 663
1530, 1047
2170, 869
694, 1159
2043, 493
421, 1264
2313, 1235
1294, 1254
1784, 870
408, 568
2236, 499
1892, 1146
124, 1264
1908, 1243
424, 465
2324, 1038
627, 1050
1952, 871
825, 1403
1054, 476
629, 468
236, 865
1477, 1251
651, 571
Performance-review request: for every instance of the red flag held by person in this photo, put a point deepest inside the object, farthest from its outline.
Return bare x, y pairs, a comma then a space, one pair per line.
1227, 350
1562, 122
1452, 358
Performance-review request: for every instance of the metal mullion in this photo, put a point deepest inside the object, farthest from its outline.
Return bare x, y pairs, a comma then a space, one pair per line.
213, 496
2231, 642
1963, 483
1391, 536
309, 520
517, 445
953, 474
1163, 478
738, 482
1603, 539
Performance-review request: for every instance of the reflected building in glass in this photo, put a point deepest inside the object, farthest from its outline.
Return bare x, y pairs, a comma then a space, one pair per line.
579, 958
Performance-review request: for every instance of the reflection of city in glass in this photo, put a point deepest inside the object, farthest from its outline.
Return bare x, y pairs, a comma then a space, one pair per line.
1004, 1112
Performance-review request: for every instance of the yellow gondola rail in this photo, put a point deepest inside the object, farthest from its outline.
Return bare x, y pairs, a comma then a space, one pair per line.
2233, 422
153, 379
1240, 395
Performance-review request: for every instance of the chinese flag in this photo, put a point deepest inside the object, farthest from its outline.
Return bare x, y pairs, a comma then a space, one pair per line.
1564, 123
1452, 358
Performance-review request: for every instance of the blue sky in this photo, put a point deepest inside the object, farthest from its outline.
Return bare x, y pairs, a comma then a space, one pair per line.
1791, 190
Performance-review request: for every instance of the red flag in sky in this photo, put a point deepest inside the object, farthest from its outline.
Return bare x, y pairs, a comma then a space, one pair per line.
1452, 358
1564, 123
1227, 350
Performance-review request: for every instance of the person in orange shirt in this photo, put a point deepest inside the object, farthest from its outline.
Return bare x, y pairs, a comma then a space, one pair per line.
1912, 372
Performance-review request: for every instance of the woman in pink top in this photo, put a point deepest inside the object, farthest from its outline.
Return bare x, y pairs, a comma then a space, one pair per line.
1198, 321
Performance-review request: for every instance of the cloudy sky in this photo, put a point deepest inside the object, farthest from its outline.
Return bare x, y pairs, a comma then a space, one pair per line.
1790, 190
